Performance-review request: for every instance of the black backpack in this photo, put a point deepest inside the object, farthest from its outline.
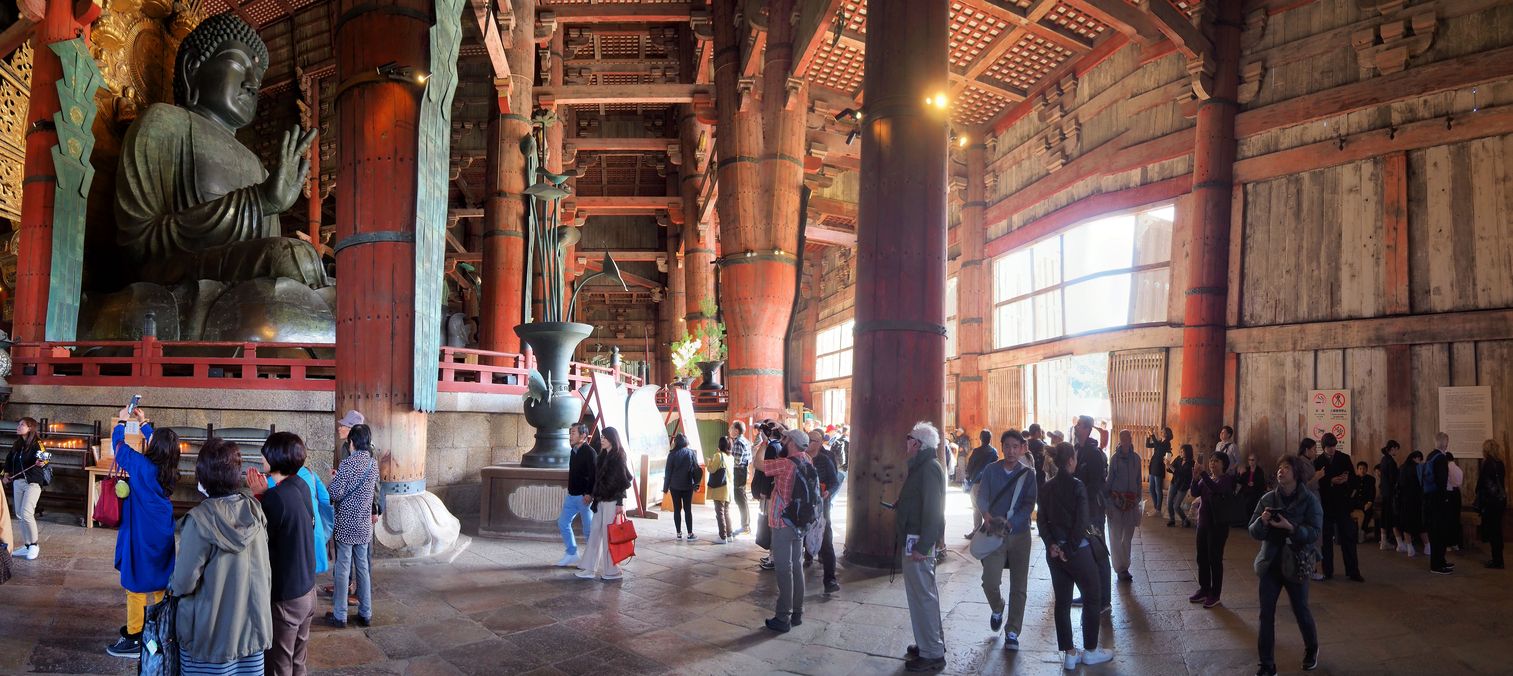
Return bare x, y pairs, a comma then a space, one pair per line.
804, 504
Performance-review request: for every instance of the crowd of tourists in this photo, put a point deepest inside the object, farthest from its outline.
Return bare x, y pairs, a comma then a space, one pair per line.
241, 569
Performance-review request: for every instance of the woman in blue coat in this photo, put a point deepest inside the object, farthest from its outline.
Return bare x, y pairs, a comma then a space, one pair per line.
144, 543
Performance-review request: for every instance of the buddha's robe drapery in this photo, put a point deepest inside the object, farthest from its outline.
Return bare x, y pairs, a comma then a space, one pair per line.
187, 206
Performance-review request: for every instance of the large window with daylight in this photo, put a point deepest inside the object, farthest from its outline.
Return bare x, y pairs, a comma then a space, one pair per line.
951, 321
835, 401
1104, 273
833, 352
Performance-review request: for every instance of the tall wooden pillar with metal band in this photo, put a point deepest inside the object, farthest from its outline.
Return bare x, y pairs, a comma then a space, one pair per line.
899, 372
378, 141
758, 214
504, 210
697, 237
39, 185
1201, 409
972, 305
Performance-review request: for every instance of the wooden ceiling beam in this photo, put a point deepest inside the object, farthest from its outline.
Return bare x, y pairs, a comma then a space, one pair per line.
626, 205
819, 233
832, 207
1015, 17
986, 83
1123, 17
630, 279
650, 94
1177, 27
619, 13
641, 144
625, 255
492, 42
823, 32
1002, 45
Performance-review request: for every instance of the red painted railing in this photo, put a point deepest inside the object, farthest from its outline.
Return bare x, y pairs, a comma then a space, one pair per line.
258, 366
703, 400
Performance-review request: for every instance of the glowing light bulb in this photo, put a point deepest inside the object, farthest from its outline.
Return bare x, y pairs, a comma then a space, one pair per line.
962, 140
940, 101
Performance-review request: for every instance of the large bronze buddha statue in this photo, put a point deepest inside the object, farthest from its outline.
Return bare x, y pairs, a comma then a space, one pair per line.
197, 215
192, 202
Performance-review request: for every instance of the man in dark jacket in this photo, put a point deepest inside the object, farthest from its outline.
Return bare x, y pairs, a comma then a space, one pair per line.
920, 519
1092, 471
830, 481
581, 466
1386, 496
1439, 515
1334, 493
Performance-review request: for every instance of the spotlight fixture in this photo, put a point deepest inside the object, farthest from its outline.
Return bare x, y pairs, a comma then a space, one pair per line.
851, 136
394, 71
938, 100
849, 114
961, 140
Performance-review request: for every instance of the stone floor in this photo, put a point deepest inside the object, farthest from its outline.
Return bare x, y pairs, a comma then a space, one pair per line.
696, 608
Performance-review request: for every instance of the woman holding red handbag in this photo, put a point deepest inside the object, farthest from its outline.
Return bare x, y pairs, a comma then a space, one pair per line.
611, 481
144, 543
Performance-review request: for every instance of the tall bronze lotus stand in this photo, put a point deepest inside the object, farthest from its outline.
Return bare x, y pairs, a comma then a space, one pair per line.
710, 370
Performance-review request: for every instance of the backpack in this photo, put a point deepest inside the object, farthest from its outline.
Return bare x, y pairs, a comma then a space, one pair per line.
1426, 475
803, 506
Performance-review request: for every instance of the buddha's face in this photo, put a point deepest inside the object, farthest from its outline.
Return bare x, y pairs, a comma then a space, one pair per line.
225, 86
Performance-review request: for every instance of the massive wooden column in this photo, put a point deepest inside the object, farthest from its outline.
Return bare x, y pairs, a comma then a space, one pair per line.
1202, 405
972, 305
504, 211
698, 237
899, 371
378, 142
34, 264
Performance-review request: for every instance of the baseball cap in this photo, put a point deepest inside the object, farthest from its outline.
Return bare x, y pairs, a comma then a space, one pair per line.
351, 419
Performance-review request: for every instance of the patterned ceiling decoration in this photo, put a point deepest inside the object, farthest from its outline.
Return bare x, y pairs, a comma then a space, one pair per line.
1074, 22
972, 31
977, 106
1028, 61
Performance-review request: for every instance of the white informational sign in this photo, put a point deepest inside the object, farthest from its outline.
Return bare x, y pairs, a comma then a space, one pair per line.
1329, 412
1465, 413
610, 404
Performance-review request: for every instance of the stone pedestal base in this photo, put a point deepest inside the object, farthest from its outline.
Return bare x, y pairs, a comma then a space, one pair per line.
521, 501
416, 525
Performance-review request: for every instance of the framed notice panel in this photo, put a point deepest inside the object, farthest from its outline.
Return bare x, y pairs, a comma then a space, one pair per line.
1465, 413
1329, 413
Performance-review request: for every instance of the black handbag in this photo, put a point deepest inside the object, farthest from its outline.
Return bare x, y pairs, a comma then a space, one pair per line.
160, 639
5, 558
717, 478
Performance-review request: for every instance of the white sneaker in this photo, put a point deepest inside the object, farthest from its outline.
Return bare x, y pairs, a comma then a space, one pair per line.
1069, 659
587, 574
20, 552
1097, 656
32, 552
1316, 577
1412, 551
1383, 546
567, 560
613, 576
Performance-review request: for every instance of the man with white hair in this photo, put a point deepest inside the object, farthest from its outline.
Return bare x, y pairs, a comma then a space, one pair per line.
787, 536
920, 518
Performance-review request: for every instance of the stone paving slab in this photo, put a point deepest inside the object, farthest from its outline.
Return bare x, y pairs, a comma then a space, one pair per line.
499, 607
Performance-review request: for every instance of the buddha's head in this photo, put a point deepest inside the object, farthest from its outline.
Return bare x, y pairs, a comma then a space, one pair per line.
219, 70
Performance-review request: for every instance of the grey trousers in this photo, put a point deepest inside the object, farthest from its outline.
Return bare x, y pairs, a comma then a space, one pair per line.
1121, 531
291, 635
924, 607
788, 562
27, 495
1014, 555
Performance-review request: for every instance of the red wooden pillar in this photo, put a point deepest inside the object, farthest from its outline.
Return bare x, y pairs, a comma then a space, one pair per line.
698, 237
504, 211
971, 299
377, 143
755, 277
1203, 349
900, 365
34, 267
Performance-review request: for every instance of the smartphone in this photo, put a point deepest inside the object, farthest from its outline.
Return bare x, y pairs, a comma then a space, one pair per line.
131, 407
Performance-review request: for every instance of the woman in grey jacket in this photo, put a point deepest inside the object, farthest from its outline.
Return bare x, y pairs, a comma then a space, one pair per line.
225, 616
1287, 521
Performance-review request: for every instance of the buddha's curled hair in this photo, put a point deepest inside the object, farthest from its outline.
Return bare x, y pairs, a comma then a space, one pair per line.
202, 43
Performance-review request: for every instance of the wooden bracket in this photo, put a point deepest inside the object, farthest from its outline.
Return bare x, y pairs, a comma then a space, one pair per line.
957, 189
791, 90
1385, 48
546, 26
745, 93
701, 24
1060, 143
569, 153
1255, 29
1188, 39
1250, 80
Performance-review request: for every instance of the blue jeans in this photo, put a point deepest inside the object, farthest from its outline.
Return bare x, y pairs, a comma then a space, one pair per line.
1272, 585
574, 506
345, 555
1158, 489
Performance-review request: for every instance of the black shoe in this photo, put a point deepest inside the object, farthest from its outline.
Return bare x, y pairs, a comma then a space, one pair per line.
795, 619
331, 621
912, 651
1267, 670
1327, 577
766, 564
924, 664
1126, 577
1311, 659
362, 621
1357, 578
995, 622
831, 586
1077, 601
1441, 571
1494, 565
778, 626
129, 647
1169, 524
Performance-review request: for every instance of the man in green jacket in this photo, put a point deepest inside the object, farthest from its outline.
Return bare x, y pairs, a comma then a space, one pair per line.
921, 522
